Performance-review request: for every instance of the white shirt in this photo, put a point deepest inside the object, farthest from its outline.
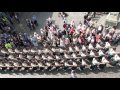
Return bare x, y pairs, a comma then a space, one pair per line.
99, 28
76, 48
57, 57
74, 40
73, 75
72, 23
51, 28
41, 32
25, 51
49, 19
83, 27
74, 64
93, 31
48, 64
56, 64
39, 37
33, 51
35, 34
3, 51
52, 36
98, 46
82, 54
92, 53
83, 62
107, 45
29, 57
44, 57
20, 56
37, 57
70, 49
90, 46
10, 50
54, 43
17, 51
11, 57
62, 43
83, 48
89, 39
87, 31
53, 49
95, 62
79, 27
108, 35
48, 39
111, 30
61, 50
91, 23
64, 20
104, 61
16, 64
111, 51
116, 57
74, 55
39, 51
67, 41
66, 64
46, 50
92, 40
77, 31
16, 16
49, 58
100, 53
66, 56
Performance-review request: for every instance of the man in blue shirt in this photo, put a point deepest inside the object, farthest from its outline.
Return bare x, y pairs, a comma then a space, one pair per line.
34, 19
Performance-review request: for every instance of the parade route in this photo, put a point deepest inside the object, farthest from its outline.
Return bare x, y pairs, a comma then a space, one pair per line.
112, 72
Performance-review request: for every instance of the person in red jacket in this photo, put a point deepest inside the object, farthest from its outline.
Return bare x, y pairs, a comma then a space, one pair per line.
72, 30
97, 37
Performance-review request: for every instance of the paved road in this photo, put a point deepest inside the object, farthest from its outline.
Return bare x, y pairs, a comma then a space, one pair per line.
42, 16
113, 72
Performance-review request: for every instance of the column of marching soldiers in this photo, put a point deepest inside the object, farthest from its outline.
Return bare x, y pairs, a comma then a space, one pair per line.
52, 58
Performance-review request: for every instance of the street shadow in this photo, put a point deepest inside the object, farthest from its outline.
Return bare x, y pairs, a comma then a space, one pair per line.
41, 18
112, 69
118, 26
86, 72
105, 70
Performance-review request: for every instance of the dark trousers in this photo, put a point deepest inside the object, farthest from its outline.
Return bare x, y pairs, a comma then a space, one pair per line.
82, 67
65, 68
115, 42
17, 19
102, 66
113, 63
36, 23
93, 67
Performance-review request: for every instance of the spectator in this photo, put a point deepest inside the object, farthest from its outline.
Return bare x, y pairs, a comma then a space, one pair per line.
34, 19
16, 17
8, 45
73, 74
34, 41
